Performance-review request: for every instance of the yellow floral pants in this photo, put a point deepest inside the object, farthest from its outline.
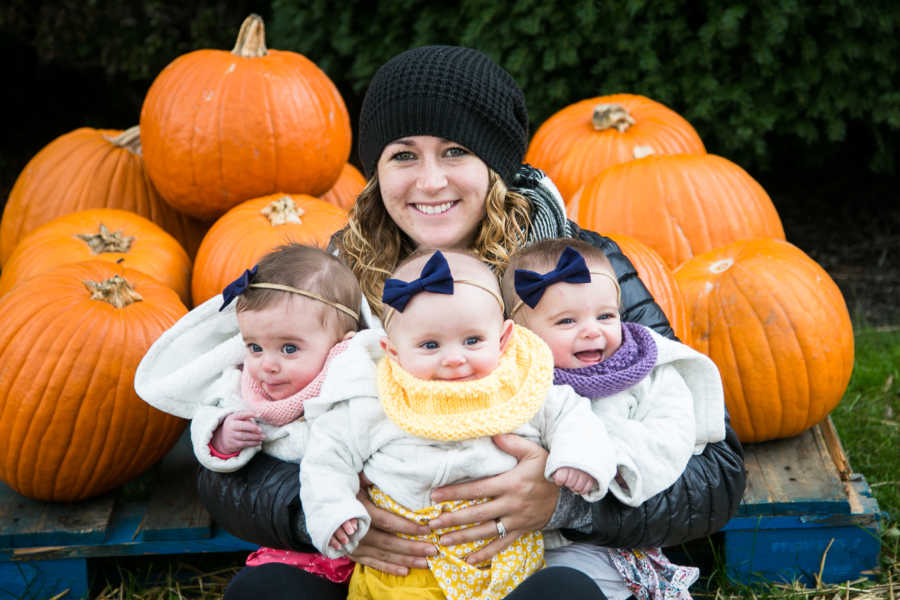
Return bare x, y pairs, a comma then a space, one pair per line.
449, 575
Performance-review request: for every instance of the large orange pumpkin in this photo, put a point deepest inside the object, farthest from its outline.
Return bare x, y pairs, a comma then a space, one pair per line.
659, 280
251, 229
679, 205
223, 127
89, 168
578, 142
345, 190
103, 234
777, 327
71, 424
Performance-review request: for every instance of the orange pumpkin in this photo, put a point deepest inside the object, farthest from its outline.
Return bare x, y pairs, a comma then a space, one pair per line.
679, 205
577, 143
345, 190
223, 127
777, 327
103, 234
71, 424
659, 280
89, 168
251, 229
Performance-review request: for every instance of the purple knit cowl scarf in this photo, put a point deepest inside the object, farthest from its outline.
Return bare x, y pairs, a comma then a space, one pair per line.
628, 365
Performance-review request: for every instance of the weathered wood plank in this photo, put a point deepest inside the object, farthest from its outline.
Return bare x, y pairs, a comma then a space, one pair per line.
174, 512
792, 476
836, 449
27, 522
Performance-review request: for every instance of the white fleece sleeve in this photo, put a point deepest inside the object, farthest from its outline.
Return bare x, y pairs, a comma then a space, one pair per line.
204, 424
218, 401
577, 438
186, 360
652, 428
329, 474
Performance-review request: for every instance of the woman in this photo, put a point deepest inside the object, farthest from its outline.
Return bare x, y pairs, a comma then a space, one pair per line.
442, 133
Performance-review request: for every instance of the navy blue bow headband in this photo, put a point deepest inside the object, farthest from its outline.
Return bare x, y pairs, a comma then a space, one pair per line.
435, 278
237, 287
570, 268
240, 285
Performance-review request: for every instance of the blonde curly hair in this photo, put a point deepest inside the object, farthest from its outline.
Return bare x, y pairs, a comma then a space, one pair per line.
372, 245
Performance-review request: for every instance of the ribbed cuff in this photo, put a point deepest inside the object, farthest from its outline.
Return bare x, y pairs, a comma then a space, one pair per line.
572, 512
221, 455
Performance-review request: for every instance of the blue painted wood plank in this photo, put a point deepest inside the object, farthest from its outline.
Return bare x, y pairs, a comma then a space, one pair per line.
27, 522
220, 541
786, 555
799, 522
40, 580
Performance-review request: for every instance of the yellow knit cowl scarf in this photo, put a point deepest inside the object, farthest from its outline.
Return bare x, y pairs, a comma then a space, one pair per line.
456, 410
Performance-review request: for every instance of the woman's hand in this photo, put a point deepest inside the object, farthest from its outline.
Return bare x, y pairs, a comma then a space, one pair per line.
381, 549
522, 499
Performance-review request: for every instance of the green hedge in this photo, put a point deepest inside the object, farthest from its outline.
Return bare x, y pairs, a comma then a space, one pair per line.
133, 40
770, 85
763, 83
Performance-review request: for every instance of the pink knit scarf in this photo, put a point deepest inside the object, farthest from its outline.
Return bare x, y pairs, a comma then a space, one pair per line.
286, 410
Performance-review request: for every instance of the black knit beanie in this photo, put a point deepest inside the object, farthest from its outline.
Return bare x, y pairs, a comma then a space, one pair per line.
451, 92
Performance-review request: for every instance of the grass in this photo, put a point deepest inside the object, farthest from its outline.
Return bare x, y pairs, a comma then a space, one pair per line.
866, 419
202, 577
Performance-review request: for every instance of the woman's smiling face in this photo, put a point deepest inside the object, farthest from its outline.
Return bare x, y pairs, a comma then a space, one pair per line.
434, 190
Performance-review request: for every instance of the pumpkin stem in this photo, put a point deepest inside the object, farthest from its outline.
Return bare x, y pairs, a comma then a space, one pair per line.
251, 39
283, 211
116, 291
106, 241
609, 116
130, 139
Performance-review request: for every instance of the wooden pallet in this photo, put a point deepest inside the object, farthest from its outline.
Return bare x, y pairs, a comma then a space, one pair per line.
45, 547
804, 514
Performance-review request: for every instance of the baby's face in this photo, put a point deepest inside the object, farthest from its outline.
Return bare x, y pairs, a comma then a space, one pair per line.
449, 337
286, 343
579, 321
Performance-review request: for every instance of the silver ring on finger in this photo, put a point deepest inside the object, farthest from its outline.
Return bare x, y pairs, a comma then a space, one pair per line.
501, 529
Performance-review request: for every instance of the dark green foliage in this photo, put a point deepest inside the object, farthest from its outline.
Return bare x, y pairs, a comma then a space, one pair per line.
130, 39
765, 84
774, 86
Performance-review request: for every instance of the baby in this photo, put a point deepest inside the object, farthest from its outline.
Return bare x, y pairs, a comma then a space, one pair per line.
297, 311
659, 399
455, 373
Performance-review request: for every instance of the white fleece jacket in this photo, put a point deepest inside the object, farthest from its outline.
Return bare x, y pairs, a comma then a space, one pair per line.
358, 436
192, 371
656, 424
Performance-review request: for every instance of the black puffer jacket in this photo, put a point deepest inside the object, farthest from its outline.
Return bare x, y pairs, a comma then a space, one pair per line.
261, 503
